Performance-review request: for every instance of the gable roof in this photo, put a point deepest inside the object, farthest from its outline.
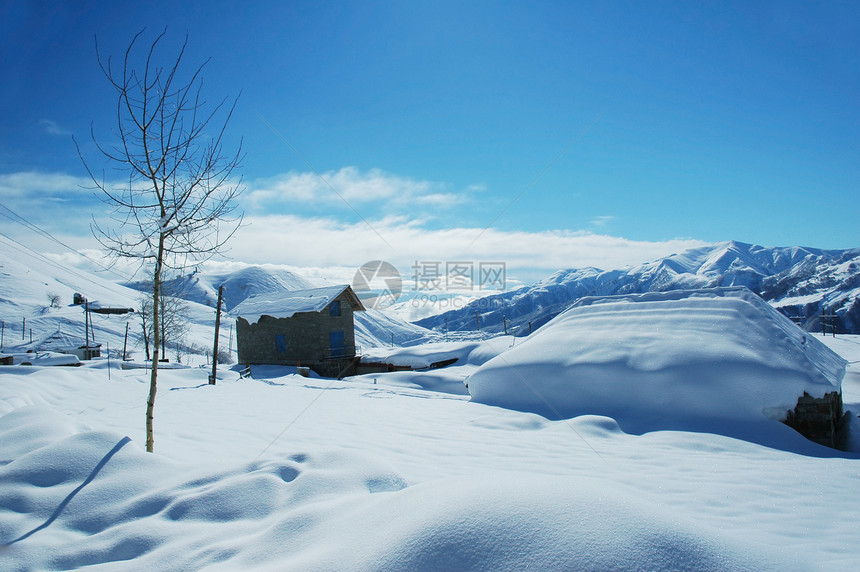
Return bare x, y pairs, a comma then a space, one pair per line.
714, 321
287, 303
58, 341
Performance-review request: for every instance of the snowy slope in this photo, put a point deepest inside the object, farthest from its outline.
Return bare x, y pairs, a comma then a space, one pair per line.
377, 329
279, 472
27, 278
799, 281
202, 287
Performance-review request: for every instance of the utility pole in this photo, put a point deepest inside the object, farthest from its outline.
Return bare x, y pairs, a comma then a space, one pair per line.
217, 328
477, 321
23, 327
87, 330
125, 342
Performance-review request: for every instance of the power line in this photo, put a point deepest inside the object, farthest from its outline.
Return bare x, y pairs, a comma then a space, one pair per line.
26, 223
43, 257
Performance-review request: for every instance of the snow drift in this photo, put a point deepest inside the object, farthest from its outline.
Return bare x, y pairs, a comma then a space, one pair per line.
719, 360
76, 498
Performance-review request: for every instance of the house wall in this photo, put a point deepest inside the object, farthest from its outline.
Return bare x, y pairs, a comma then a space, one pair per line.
306, 337
817, 419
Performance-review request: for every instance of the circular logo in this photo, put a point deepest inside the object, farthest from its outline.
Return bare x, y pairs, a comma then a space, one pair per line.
378, 284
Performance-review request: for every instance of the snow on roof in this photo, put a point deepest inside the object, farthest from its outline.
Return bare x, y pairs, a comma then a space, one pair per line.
57, 341
287, 303
694, 359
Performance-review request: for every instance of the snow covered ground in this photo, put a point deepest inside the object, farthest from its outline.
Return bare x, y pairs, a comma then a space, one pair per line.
283, 472
393, 471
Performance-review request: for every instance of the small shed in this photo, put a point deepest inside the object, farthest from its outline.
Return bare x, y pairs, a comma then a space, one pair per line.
64, 343
312, 328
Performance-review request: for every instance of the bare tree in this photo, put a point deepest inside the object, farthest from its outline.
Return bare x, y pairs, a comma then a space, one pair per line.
144, 312
177, 204
173, 319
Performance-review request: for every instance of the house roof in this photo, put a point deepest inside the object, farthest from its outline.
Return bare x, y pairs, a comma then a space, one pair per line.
287, 303
57, 341
714, 360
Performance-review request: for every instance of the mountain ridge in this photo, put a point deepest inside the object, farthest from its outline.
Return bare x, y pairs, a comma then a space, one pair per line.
801, 282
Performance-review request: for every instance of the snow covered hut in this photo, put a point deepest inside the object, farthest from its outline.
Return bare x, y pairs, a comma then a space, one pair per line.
716, 360
64, 343
312, 328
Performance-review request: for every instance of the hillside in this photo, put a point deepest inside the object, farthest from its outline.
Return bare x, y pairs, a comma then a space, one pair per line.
800, 282
202, 287
28, 280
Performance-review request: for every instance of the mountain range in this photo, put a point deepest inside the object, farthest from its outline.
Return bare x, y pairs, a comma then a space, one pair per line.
803, 283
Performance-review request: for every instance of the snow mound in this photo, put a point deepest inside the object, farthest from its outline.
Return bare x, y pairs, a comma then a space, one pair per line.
425, 355
440, 366
72, 498
718, 360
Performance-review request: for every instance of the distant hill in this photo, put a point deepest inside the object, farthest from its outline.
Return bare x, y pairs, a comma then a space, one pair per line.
240, 284
30, 283
372, 328
800, 282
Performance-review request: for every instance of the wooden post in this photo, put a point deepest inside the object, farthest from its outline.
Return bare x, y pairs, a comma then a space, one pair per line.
87, 330
23, 328
125, 343
477, 321
217, 327
505, 321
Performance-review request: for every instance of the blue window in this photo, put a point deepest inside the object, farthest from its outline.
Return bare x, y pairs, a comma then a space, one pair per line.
281, 342
334, 308
337, 344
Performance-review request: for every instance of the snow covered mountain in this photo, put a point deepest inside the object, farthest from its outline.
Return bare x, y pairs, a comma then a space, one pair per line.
801, 282
240, 284
372, 328
36, 294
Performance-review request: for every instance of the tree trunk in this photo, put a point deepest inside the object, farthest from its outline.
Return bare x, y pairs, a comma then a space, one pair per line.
145, 339
153, 384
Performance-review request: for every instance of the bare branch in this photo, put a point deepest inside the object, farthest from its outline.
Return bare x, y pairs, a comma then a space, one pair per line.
179, 189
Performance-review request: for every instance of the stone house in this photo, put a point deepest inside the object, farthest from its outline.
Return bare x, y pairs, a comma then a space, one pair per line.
312, 328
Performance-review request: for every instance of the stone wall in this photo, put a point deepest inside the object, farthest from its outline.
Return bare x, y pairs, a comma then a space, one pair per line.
306, 339
817, 418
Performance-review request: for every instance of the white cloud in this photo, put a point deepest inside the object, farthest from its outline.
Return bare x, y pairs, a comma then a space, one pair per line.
334, 248
32, 184
348, 186
323, 242
601, 221
53, 128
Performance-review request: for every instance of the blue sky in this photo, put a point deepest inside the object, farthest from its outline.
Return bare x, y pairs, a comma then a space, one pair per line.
544, 134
